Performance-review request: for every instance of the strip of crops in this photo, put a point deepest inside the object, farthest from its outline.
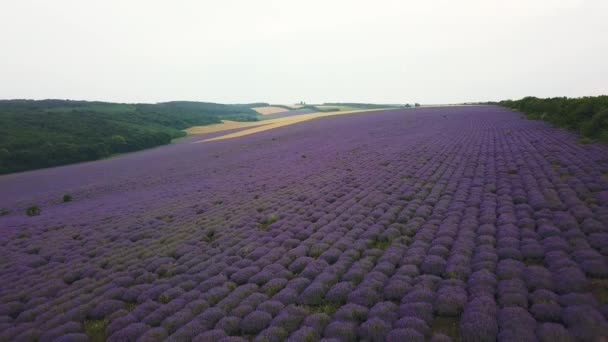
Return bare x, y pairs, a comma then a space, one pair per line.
442, 224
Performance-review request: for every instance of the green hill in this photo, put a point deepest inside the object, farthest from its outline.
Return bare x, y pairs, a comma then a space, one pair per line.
37, 134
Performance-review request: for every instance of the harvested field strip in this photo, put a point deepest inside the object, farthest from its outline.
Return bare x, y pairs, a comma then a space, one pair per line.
270, 110
224, 126
280, 122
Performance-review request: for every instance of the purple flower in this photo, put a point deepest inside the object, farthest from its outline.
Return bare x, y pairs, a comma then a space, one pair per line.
304, 334
546, 312
413, 323
105, 308
273, 307
212, 315
374, 329
450, 301
317, 321
478, 321
396, 288
419, 295
274, 285
229, 324
155, 334
437, 337
433, 264
398, 335
386, 311
313, 294
177, 320
516, 324
289, 318
571, 299
130, 333
569, 279
73, 337
339, 292
419, 310
585, 322
364, 295
352, 312
255, 322
341, 330
214, 335
243, 275
551, 332
273, 333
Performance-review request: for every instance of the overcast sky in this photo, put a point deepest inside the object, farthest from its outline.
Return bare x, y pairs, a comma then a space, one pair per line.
283, 51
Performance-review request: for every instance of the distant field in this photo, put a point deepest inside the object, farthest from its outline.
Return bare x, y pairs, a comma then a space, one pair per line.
339, 108
223, 126
270, 110
261, 126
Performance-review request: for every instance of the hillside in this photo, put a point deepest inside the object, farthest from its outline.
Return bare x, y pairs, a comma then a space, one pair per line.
461, 223
38, 134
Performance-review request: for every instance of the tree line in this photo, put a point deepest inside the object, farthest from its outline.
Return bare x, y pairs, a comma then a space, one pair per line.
587, 116
38, 134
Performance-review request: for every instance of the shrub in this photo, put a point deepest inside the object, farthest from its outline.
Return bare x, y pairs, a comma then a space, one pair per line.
255, 322
210, 336
105, 308
272, 334
317, 321
413, 323
130, 333
585, 322
229, 324
344, 331
33, 211
374, 329
398, 335
352, 312
67, 198
304, 334
289, 318
73, 337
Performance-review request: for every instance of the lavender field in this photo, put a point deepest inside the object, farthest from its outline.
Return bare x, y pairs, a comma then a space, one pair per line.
442, 224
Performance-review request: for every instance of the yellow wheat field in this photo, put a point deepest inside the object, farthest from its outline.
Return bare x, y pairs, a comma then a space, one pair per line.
260, 126
270, 110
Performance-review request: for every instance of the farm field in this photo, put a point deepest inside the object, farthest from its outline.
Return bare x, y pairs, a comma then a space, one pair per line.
446, 224
240, 128
267, 110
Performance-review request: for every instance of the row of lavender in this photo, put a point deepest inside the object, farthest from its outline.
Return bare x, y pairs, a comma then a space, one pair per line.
445, 224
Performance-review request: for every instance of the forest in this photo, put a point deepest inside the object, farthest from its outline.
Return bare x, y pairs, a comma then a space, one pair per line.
587, 116
38, 134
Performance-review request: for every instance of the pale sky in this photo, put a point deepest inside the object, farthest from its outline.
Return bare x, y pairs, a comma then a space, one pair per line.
283, 51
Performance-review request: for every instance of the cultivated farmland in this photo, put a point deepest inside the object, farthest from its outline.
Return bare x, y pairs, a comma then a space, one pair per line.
267, 110
455, 223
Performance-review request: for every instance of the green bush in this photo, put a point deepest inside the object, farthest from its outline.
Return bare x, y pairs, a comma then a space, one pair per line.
67, 198
587, 116
597, 126
33, 211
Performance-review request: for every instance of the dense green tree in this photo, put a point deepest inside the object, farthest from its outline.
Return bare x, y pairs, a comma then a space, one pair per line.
587, 116
36, 134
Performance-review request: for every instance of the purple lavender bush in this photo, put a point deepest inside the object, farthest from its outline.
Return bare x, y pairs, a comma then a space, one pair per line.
394, 222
